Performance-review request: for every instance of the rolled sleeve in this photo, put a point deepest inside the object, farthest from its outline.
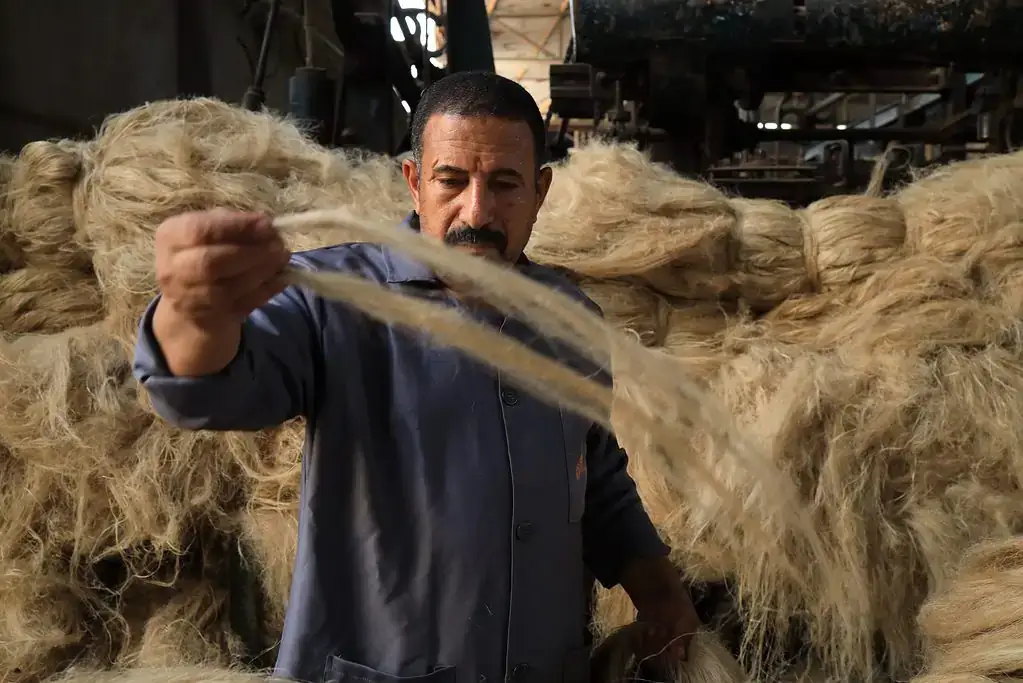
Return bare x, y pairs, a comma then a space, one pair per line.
270, 380
616, 527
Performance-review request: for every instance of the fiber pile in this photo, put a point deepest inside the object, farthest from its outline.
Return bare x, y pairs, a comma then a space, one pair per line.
870, 344
974, 628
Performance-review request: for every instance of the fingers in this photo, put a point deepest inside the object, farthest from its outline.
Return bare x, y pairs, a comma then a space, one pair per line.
235, 296
663, 644
260, 294
222, 226
219, 226
219, 263
225, 262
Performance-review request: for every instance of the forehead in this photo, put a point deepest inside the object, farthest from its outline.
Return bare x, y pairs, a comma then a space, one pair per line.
476, 142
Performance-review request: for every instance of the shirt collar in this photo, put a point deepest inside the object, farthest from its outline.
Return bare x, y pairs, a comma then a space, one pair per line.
402, 269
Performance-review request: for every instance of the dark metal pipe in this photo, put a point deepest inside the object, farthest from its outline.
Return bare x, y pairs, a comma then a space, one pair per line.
254, 96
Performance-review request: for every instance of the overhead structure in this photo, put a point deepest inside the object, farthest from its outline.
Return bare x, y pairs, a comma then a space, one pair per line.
790, 97
392, 50
528, 36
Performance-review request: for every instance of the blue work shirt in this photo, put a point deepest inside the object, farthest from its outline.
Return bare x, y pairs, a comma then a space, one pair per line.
447, 519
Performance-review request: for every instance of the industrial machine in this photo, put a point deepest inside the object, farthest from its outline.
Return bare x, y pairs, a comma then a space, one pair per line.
793, 98
367, 103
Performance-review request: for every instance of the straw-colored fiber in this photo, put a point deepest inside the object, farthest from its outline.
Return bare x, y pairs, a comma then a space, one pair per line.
820, 405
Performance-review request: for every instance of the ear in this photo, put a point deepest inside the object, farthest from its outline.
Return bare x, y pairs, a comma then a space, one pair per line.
411, 172
543, 186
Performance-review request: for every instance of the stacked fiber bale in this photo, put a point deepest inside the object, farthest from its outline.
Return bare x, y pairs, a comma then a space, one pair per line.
974, 628
49, 284
119, 529
885, 380
879, 374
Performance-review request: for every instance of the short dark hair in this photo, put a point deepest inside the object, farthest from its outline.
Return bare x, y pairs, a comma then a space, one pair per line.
479, 93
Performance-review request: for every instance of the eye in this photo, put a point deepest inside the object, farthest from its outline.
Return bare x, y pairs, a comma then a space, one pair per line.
451, 182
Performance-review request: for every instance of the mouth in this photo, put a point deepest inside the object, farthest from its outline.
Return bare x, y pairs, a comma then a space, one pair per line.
485, 250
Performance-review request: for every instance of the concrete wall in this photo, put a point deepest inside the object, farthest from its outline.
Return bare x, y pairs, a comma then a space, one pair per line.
66, 64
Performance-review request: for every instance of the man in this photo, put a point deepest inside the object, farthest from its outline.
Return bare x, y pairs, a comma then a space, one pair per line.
447, 520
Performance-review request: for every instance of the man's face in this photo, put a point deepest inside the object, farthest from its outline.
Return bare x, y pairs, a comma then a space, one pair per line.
477, 187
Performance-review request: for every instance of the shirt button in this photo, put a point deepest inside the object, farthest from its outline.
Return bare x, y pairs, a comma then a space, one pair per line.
524, 531
519, 673
510, 397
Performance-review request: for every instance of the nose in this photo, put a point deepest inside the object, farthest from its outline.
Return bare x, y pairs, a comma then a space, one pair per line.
478, 208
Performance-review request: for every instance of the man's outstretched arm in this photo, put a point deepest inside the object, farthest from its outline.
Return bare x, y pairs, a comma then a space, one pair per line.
225, 345
267, 375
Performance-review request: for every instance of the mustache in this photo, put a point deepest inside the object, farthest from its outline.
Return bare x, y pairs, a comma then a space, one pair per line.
483, 235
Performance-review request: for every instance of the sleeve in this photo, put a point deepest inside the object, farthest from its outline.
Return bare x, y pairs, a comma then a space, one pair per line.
616, 528
270, 380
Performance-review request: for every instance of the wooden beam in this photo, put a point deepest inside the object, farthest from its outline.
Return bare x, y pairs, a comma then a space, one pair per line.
541, 48
550, 32
524, 15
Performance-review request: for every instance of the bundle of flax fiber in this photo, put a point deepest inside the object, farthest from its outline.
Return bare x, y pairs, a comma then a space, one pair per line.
868, 354
974, 629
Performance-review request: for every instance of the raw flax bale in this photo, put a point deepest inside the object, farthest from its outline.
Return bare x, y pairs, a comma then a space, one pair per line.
696, 333
830, 246
995, 264
611, 212
170, 157
770, 259
189, 628
707, 661
952, 206
173, 674
47, 300
44, 622
903, 435
918, 304
11, 255
847, 238
268, 526
46, 284
630, 306
93, 471
794, 401
45, 205
974, 627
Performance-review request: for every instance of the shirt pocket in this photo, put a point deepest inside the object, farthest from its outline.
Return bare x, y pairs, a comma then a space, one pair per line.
338, 670
575, 430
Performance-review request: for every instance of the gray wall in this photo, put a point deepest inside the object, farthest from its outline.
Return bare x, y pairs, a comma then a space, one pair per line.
66, 64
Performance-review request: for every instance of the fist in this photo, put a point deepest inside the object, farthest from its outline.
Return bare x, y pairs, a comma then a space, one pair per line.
217, 266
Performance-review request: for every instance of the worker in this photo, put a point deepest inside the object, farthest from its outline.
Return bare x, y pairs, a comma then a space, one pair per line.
448, 521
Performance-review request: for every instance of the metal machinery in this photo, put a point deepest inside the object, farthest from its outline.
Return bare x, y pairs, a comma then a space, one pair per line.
363, 105
792, 98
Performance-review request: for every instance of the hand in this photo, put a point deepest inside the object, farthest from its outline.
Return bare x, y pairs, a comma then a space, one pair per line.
668, 627
217, 266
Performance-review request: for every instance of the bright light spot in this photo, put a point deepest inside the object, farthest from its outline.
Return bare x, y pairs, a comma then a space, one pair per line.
770, 126
408, 109
841, 126
786, 126
419, 25
410, 24
414, 71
